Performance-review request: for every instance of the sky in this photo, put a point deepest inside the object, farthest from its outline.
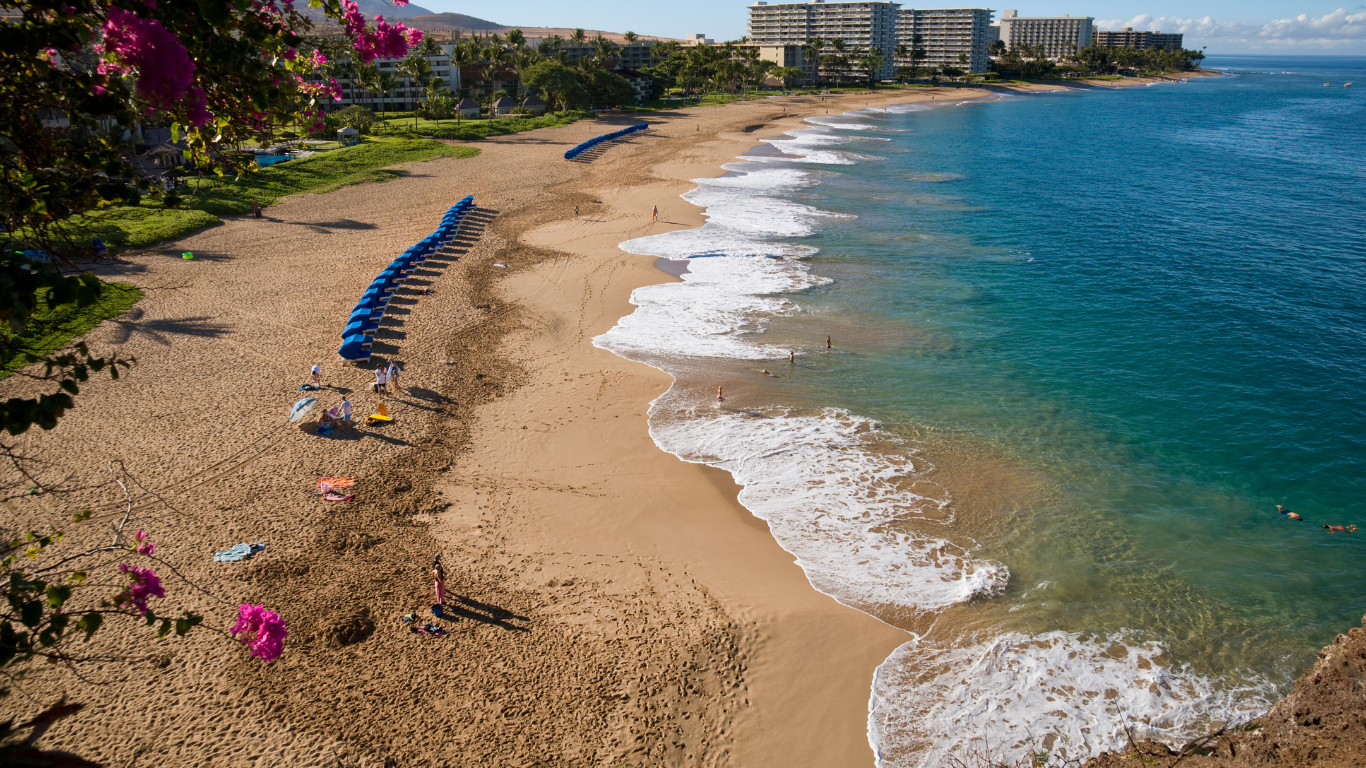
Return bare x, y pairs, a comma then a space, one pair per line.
1222, 26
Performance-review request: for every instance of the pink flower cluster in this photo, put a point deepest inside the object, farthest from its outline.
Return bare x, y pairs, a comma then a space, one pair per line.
143, 547
262, 630
330, 89
390, 41
165, 73
142, 584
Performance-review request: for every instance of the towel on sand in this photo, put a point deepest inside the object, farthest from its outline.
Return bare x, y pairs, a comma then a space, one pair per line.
337, 482
238, 552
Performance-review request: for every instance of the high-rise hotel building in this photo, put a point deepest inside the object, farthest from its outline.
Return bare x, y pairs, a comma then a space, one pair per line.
869, 25
945, 35
1128, 38
877, 25
1059, 35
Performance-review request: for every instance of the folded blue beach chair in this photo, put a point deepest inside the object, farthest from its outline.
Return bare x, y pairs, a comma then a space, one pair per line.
355, 348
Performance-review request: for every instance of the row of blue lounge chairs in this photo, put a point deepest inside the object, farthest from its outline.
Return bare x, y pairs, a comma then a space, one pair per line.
593, 142
365, 318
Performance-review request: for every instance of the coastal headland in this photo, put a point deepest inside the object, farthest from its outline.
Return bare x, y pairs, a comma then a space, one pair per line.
612, 605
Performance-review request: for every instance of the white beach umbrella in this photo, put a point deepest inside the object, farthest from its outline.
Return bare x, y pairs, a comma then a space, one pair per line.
302, 407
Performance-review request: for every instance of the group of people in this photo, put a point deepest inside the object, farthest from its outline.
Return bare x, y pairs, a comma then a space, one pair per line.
791, 358
386, 376
1293, 515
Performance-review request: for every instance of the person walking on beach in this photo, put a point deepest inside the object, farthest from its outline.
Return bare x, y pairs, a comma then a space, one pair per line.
380, 380
576, 210
392, 373
439, 579
654, 212
317, 376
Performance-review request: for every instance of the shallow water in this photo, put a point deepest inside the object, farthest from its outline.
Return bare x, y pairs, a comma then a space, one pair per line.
1083, 343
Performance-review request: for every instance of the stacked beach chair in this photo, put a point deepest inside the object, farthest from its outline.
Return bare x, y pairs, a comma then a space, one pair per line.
366, 316
593, 142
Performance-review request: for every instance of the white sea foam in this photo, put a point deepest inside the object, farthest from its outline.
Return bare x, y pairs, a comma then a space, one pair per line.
1016, 695
832, 499
835, 492
833, 123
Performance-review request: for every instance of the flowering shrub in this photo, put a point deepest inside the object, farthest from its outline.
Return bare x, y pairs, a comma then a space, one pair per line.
74, 76
142, 584
143, 547
262, 630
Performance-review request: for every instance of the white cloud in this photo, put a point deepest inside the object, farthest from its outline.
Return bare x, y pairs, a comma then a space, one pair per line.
1335, 30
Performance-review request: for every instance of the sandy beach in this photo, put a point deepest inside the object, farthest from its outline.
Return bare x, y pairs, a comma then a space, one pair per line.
608, 604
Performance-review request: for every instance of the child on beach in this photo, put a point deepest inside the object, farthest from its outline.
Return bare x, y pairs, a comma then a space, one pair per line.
439, 577
380, 380
392, 373
318, 376
346, 411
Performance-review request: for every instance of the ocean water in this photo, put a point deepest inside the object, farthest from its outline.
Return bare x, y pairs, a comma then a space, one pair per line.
1082, 344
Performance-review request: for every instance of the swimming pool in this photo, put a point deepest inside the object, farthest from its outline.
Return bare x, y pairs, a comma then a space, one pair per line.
267, 160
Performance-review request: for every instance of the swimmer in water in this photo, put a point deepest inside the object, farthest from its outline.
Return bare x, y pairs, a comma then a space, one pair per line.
765, 372
791, 356
1344, 529
827, 342
1288, 513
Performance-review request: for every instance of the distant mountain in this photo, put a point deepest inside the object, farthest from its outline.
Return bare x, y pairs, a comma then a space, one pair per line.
373, 8
443, 21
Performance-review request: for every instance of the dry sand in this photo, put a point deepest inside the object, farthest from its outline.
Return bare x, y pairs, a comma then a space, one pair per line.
612, 604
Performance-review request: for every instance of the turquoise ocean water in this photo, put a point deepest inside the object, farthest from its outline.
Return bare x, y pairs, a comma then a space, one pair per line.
1083, 343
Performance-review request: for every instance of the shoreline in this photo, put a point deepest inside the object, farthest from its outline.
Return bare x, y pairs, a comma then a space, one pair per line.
615, 603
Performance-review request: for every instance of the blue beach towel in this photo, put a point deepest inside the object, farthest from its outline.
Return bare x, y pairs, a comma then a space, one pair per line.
238, 552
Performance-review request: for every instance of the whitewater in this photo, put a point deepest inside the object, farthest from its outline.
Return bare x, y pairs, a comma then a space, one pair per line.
849, 501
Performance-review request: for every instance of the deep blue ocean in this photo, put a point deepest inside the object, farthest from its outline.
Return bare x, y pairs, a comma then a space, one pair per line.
1115, 328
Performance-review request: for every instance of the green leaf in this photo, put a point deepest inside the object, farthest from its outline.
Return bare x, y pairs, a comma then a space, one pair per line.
89, 623
57, 595
187, 622
165, 629
31, 613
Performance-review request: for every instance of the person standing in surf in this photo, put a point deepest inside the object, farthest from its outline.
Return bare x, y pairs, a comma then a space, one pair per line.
720, 395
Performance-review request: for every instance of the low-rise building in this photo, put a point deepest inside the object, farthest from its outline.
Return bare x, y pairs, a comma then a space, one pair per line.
1060, 36
468, 108
789, 56
641, 83
1128, 38
503, 105
535, 104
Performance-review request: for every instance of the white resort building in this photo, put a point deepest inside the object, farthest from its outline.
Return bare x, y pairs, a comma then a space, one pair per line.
1059, 35
868, 26
877, 25
950, 37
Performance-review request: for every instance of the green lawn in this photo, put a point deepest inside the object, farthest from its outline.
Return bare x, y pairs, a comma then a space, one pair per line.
471, 130
52, 328
151, 223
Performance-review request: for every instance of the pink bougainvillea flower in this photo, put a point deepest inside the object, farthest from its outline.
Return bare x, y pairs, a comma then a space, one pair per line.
143, 547
197, 112
165, 71
142, 584
98, 90
262, 630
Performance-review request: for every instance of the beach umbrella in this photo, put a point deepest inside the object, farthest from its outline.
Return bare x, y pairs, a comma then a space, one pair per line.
300, 408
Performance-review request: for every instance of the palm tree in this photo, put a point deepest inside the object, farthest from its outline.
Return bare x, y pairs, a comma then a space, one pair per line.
997, 48
550, 45
367, 78
604, 49
417, 71
578, 37
385, 83
871, 63
429, 47
630, 37
436, 87
521, 62
918, 53
811, 51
